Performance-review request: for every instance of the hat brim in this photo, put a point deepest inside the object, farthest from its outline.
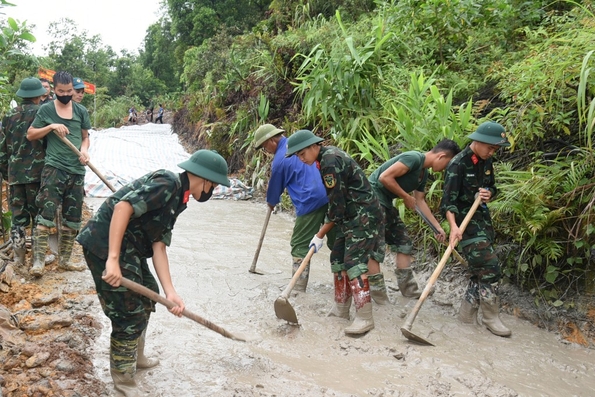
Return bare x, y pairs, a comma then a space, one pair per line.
204, 173
268, 136
488, 140
303, 145
31, 94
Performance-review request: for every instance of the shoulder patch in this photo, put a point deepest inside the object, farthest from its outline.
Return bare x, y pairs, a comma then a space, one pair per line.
329, 181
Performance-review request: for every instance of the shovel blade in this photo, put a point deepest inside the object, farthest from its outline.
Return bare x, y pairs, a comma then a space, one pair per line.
411, 336
284, 310
255, 272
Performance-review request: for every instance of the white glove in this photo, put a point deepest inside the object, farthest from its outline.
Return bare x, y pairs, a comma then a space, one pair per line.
316, 243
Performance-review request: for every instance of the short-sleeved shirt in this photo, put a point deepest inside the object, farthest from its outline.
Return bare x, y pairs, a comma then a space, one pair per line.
415, 179
352, 202
302, 181
157, 199
21, 160
58, 154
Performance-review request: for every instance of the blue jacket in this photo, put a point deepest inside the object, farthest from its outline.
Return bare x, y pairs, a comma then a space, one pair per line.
303, 182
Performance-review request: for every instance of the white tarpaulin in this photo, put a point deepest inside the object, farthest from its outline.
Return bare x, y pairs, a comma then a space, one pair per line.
124, 154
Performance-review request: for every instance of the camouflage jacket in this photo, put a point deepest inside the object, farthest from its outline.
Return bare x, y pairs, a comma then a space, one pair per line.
465, 174
157, 199
352, 202
21, 160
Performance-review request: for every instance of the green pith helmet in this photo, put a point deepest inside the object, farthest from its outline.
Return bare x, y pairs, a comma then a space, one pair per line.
209, 165
300, 140
77, 83
31, 88
491, 133
264, 132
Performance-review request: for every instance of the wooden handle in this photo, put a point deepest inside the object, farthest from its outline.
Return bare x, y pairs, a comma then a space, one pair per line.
142, 290
264, 229
78, 153
440, 266
297, 274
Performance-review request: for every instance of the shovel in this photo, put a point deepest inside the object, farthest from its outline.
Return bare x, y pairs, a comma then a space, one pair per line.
406, 328
142, 290
264, 229
283, 308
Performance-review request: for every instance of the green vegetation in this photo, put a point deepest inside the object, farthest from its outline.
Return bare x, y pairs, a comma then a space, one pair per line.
376, 78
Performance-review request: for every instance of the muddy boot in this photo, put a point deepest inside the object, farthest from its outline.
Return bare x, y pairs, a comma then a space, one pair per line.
40, 246
378, 289
123, 367
17, 236
407, 283
490, 308
302, 281
65, 245
364, 321
342, 297
143, 361
470, 304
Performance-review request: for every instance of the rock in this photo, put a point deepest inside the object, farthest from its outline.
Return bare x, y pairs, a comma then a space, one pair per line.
37, 359
44, 322
45, 300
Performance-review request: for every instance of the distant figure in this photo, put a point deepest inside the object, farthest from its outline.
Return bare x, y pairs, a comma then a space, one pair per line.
132, 115
150, 114
47, 97
159, 114
79, 89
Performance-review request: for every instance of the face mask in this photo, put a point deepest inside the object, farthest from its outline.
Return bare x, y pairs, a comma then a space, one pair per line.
204, 196
64, 99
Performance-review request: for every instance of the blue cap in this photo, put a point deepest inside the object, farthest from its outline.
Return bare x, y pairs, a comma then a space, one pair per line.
77, 83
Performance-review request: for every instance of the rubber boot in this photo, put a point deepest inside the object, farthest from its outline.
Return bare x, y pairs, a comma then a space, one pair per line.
302, 282
490, 308
342, 297
17, 236
123, 367
364, 321
65, 245
378, 289
470, 304
407, 283
143, 361
40, 246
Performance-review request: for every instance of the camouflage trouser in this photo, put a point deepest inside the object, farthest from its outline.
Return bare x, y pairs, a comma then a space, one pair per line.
128, 311
353, 248
395, 232
306, 226
22, 203
60, 188
483, 262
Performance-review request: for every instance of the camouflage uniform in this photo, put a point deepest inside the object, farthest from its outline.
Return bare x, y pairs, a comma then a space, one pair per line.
355, 210
21, 163
157, 199
465, 174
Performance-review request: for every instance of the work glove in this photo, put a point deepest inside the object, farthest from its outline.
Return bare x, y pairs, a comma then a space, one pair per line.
316, 243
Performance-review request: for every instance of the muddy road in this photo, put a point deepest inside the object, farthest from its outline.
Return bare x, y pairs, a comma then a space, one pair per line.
212, 250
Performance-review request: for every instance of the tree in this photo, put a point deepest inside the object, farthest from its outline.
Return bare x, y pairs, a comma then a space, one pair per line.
158, 55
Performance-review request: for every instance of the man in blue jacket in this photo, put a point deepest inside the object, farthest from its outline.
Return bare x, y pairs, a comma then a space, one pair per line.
305, 189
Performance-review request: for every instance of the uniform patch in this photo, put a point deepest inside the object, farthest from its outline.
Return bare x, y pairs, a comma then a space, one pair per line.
329, 181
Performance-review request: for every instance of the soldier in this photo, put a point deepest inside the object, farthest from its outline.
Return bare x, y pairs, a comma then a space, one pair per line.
306, 191
134, 224
355, 209
397, 178
21, 163
63, 176
471, 173
79, 89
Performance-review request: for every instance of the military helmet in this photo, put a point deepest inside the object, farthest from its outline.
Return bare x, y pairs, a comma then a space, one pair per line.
491, 133
77, 83
300, 140
31, 88
209, 165
264, 132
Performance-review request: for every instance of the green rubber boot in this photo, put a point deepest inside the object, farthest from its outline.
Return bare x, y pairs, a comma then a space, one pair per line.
302, 282
123, 367
65, 245
40, 247
378, 289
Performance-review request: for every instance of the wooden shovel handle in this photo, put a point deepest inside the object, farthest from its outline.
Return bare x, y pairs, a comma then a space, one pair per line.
142, 290
262, 233
440, 266
78, 153
297, 274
